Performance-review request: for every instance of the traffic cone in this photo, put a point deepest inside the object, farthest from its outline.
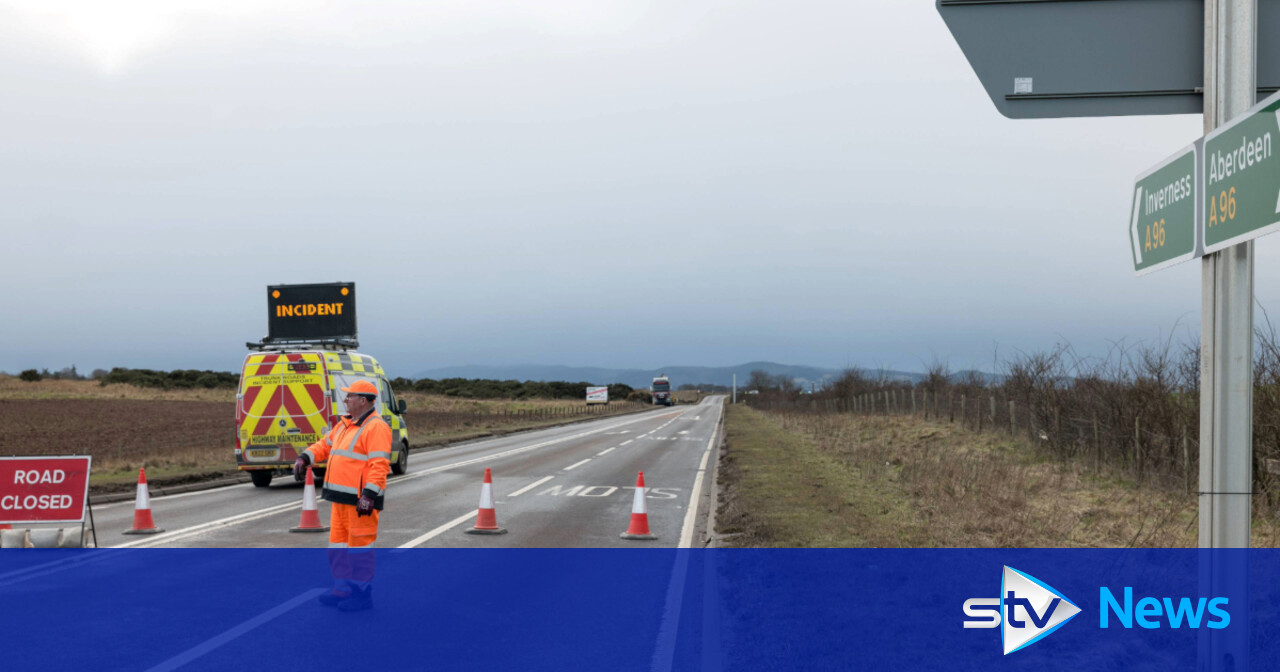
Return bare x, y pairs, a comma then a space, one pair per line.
310, 515
142, 522
486, 517
639, 528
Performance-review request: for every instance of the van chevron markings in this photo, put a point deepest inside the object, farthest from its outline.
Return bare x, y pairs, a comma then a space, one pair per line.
1163, 229
1242, 177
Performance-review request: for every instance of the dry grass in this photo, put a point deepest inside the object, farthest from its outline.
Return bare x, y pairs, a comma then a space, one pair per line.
13, 388
853, 480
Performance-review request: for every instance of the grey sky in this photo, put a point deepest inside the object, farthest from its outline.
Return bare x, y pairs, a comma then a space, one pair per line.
610, 184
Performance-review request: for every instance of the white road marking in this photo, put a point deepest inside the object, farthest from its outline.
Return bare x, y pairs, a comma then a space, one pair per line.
575, 465
250, 516
185, 532
165, 498
266, 616
665, 649
683, 431
626, 442
470, 515
606, 451
686, 532
529, 487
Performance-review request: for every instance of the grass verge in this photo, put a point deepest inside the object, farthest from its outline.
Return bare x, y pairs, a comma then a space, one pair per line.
841, 479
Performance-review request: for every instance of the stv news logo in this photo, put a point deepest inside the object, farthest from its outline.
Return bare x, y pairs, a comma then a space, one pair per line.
1026, 611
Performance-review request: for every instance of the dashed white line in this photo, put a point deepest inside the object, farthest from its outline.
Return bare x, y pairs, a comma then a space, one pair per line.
529, 487
626, 442
606, 451
575, 465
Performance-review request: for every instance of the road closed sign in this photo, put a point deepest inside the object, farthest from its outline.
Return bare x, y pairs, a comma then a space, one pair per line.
43, 489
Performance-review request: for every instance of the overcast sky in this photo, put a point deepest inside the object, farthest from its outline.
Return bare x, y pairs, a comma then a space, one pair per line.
629, 184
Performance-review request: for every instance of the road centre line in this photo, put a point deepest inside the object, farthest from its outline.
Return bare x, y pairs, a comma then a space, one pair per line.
513, 451
186, 532
436, 532
211, 644
626, 442
577, 464
606, 451
529, 487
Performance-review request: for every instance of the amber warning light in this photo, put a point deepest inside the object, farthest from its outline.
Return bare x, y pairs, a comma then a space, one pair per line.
311, 312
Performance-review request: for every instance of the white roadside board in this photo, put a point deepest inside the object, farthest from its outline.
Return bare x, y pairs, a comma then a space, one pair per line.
597, 395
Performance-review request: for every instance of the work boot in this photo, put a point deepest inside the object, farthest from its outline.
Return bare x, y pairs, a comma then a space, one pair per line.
360, 600
332, 599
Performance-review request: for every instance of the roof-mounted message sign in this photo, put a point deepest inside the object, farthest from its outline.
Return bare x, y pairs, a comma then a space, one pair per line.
311, 313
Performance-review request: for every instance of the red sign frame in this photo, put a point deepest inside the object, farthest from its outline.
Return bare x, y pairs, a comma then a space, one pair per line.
44, 489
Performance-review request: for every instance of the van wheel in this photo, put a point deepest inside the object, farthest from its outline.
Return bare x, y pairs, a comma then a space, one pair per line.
261, 477
402, 464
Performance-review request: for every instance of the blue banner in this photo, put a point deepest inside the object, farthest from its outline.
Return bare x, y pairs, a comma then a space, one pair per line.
642, 609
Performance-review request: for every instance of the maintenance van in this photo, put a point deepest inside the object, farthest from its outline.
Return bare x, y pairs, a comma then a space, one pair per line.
290, 391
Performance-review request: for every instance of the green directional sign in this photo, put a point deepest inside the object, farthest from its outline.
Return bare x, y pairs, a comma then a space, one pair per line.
1162, 227
1242, 177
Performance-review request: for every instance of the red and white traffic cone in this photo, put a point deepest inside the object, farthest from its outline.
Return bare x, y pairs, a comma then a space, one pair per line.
639, 528
486, 517
310, 515
142, 521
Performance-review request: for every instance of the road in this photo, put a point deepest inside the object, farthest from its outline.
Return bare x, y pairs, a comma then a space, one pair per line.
564, 487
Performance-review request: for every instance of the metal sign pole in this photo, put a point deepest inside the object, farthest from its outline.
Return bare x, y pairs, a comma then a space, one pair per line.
1226, 371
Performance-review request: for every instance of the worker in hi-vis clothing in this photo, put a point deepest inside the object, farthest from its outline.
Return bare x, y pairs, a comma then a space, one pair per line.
358, 451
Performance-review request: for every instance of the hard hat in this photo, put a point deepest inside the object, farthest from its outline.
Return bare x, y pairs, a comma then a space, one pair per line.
362, 387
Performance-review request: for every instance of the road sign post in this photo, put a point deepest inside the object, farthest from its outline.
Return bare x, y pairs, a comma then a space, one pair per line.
1163, 227
1226, 327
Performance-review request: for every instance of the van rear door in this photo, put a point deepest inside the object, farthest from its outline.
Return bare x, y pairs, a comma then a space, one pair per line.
283, 406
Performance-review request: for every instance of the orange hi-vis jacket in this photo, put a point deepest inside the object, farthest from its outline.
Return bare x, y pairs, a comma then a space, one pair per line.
359, 458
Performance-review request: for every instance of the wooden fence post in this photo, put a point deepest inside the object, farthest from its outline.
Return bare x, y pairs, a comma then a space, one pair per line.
913, 401
1186, 460
1013, 417
964, 413
1097, 445
1137, 447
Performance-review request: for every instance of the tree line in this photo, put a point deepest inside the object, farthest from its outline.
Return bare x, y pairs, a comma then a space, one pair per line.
469, 388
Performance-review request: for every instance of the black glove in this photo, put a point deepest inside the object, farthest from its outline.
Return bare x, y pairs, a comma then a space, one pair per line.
300, 468
364, 507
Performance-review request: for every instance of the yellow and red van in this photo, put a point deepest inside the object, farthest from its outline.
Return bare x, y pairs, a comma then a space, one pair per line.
288, 400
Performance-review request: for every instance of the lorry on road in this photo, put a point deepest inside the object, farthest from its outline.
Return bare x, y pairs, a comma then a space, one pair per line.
662, 391
291, 382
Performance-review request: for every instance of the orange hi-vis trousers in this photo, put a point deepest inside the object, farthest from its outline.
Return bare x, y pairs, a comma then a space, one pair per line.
349, 561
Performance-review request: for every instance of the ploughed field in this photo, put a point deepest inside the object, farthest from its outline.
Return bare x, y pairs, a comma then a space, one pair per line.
123, 434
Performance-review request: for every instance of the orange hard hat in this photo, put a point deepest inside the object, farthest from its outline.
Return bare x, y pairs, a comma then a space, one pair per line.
362, 387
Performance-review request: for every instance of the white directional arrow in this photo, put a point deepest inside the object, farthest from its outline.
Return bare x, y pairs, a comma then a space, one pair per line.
1133, 228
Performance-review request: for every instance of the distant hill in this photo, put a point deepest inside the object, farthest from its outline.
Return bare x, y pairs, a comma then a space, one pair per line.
679, 375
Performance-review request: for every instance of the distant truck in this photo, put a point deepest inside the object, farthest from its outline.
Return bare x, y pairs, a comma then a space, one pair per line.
662, 391
291, 383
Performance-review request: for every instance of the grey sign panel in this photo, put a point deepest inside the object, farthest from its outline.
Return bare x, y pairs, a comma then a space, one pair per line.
1095, 58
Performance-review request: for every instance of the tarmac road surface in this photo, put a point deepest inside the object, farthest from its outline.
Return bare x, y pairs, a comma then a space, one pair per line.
569, 486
